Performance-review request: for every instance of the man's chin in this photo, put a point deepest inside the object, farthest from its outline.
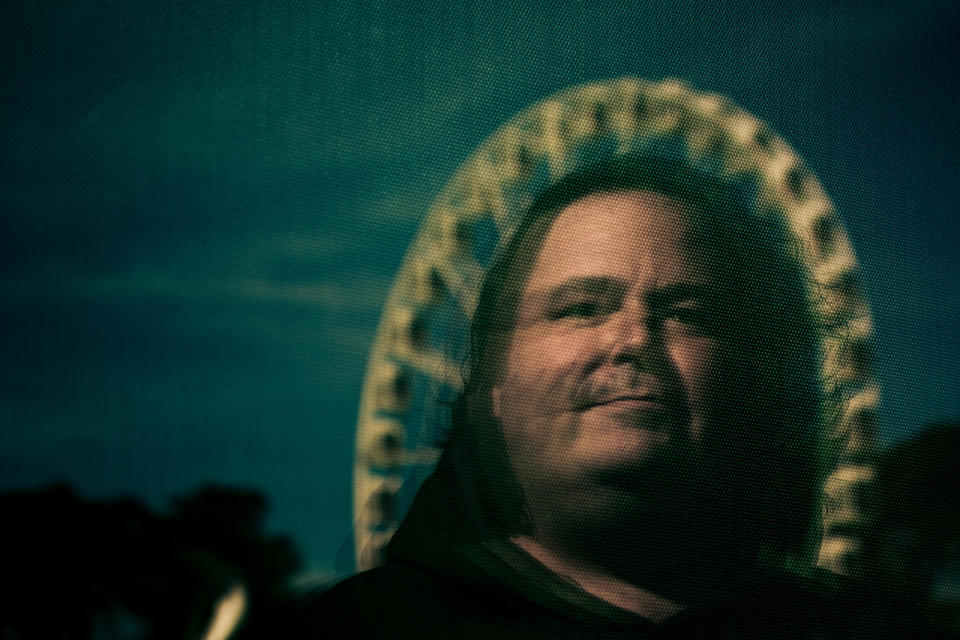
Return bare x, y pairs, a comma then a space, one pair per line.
607, 504
653, 469
655, 489
619, 512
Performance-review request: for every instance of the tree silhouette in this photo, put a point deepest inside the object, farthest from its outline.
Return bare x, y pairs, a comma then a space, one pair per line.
81, 569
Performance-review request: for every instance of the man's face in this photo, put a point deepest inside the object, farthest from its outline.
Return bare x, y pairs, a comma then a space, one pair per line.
607, 383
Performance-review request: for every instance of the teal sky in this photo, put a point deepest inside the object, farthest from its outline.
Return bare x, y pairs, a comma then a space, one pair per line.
204, 204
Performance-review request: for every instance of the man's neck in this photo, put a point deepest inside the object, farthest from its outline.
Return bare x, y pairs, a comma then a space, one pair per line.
601, 583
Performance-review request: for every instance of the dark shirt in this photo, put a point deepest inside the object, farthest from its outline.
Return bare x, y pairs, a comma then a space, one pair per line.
403, 601
444, 579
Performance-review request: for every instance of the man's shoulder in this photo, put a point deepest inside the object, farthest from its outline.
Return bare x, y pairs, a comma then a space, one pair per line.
385, 580
386, 587
819, 605
392, 601
406, 601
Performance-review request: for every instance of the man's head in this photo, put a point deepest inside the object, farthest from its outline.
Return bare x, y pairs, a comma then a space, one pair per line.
642, 353
608, 381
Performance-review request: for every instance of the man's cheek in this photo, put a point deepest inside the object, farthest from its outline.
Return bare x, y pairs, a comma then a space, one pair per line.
701, 375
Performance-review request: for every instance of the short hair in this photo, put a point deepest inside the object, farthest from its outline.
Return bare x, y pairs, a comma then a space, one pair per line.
775, 465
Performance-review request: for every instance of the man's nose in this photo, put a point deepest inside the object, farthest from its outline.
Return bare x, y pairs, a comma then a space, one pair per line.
634, 338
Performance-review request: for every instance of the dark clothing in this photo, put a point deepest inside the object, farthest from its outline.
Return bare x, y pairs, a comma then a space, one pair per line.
439, 582
401, 601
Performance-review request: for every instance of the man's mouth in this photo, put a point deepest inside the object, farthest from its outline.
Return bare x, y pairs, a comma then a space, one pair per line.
634, 402
628, 402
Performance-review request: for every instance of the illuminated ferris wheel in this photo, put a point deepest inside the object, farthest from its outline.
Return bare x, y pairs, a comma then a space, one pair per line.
415, 361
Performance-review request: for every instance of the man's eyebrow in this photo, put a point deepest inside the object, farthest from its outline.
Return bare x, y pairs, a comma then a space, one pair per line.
605, 285
593, 285
680, 291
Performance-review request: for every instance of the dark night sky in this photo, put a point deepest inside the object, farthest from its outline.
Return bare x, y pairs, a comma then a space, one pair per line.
203, 206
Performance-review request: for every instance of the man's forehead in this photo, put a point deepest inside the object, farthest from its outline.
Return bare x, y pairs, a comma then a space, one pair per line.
625, 236
620, 220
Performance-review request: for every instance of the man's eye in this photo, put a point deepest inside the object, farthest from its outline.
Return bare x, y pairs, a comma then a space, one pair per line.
578, 310
688, 315
695, 317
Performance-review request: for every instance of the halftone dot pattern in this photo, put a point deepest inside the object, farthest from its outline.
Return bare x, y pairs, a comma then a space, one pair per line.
204, 207
415, 360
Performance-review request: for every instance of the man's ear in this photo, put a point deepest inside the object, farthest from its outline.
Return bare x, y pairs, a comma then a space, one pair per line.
495, 402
